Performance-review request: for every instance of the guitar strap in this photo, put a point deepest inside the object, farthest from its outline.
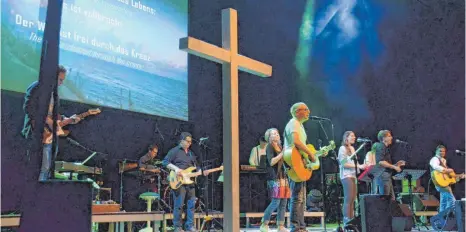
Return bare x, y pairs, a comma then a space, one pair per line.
281, 165
192, 158
288, 141
441, 163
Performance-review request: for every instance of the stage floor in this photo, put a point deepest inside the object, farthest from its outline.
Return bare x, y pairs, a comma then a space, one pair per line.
330, 228
13, 220
317, 229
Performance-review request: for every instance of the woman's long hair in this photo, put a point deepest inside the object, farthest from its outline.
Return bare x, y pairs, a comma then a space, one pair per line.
267, 136
344, 141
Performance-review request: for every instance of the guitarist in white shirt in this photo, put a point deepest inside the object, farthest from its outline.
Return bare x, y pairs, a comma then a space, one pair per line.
178, 159
30, 108
295, 136
439, 163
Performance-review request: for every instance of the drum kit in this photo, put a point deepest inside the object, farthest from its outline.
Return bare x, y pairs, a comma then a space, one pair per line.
154, 179
148, 176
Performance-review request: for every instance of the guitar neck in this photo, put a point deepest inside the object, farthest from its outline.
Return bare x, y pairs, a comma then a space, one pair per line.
215, 169
209, 171
323, 150
69, 120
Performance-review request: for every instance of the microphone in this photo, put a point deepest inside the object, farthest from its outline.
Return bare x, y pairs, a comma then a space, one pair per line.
203, 139
363, 140
458, 152
400, 141
317, 118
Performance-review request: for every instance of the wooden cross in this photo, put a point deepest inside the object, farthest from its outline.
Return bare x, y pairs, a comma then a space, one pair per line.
228, 56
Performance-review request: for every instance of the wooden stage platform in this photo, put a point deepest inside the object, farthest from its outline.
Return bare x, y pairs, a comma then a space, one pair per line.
121, 220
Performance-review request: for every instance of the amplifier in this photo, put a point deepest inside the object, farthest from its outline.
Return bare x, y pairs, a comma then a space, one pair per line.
376, 212
105, 208
459, 212
421, 201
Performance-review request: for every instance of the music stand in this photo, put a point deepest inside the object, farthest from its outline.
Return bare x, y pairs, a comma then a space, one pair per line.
371, 173
410, 174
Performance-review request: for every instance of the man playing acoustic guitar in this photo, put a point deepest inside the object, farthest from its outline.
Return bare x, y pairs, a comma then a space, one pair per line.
30, 109
439, 163
295, 136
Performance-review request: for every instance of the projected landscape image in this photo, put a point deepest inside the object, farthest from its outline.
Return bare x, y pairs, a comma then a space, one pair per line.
120, 54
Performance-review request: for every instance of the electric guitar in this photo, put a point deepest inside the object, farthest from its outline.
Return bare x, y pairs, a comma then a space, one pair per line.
47, 135
176, 181
443, 180
301, 168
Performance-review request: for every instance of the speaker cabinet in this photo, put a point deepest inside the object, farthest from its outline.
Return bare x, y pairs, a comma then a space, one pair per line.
421, 201
402, 217
376, 213
459, 212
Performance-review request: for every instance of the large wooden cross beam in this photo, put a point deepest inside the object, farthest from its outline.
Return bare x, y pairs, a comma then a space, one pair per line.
228, 56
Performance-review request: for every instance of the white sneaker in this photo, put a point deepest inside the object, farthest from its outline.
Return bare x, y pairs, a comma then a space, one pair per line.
264, 228
282, 229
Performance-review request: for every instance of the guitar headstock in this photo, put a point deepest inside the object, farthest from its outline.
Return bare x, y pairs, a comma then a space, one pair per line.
328, 148
331, 145
94, 111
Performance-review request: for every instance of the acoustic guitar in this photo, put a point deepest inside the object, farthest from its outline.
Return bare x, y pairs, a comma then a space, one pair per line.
445, 179
176, 181
300, 167
47, 135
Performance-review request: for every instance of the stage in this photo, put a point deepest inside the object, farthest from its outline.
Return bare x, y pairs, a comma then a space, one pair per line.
330, 228
118, 220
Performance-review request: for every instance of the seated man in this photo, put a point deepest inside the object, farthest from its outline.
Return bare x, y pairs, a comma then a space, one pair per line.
147, 164
257, 152
147, 161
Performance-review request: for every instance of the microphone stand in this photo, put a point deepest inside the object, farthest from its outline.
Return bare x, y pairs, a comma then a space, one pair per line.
356, 169
207, 218
121, 185
322, 174
322, 182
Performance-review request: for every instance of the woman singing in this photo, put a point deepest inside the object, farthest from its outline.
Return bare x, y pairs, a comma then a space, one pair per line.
277, 181
348, 175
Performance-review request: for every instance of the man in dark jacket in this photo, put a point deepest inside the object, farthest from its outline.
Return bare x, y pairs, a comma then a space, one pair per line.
30, 107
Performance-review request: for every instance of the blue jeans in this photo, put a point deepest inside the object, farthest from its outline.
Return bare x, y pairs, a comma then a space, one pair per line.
383, 185
179, 195
447, 199
279, 203
298, 198
46, 161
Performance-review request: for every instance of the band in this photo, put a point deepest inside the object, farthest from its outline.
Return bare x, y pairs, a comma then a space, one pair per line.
288, 162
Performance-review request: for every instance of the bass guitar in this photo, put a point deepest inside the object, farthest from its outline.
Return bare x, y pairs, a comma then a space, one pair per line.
47, 135
301, 168
187, 176
443, 180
